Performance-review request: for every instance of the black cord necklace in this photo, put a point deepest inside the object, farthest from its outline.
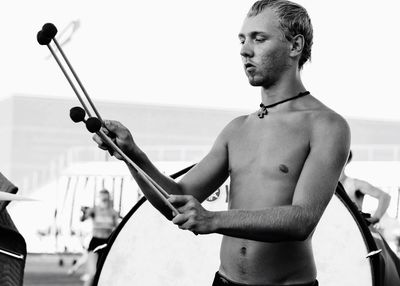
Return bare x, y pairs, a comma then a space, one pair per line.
264, 108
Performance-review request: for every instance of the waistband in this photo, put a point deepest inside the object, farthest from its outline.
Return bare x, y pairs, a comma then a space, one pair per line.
220, 280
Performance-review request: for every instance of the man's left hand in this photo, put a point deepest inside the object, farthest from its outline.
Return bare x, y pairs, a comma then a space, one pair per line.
373, 220
192, 216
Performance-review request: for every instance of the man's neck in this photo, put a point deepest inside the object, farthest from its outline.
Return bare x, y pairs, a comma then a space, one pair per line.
289, 85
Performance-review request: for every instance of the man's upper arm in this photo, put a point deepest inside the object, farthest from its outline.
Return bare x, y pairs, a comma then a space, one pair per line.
212, 171
89, 213
366, 188
329, 148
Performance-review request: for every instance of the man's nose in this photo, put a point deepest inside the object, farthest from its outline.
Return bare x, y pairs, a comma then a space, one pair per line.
247, 50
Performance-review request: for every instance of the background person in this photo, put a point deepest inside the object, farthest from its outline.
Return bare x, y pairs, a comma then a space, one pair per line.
104, 220
357, 189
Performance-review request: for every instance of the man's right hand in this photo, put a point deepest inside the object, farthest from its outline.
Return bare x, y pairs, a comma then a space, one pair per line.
121, 136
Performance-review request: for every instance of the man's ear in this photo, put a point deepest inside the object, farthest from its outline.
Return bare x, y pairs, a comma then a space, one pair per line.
297, 45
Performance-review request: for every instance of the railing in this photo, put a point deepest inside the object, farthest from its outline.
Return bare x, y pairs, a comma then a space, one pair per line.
376, 152
87, 154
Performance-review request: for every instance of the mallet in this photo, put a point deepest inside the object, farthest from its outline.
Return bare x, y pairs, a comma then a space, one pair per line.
93, 124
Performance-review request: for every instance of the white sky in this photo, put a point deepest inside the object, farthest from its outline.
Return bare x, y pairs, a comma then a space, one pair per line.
186, 52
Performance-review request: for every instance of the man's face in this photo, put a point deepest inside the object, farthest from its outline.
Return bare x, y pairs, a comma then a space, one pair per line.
265, 51
103, 199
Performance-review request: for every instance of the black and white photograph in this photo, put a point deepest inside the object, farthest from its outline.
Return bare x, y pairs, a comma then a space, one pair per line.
204, 143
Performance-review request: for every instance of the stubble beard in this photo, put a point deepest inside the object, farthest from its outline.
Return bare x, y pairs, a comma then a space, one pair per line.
271, 70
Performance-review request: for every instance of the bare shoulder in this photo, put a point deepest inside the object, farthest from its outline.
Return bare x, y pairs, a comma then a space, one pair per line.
233, 126
238, 121
326, 122
330, 136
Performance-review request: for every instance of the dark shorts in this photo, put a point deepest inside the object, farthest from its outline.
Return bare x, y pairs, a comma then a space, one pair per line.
222, 281
95, 242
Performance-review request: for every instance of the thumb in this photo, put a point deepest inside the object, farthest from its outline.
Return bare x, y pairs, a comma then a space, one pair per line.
111, 128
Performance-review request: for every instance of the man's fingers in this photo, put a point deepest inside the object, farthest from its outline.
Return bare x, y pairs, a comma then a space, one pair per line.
118, 134
188, 207
180, 219
183, 203
96, 138
188, 225
186, 219
103, 145
112, 126
111, 134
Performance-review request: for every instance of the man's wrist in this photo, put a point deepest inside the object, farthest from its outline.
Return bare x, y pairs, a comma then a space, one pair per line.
216, 218
375, 219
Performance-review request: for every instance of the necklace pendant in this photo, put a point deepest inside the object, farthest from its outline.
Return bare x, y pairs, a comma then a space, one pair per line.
263, 108
262, 112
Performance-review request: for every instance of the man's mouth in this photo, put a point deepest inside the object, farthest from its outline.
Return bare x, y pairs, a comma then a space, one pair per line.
249, 68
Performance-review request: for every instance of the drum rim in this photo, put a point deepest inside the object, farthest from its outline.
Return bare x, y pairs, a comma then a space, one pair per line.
375, 262
104, 252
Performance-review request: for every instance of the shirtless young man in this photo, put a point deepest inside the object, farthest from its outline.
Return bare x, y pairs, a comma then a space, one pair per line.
357, 189
284, 166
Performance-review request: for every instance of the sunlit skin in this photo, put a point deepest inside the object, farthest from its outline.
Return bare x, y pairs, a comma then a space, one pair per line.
265, 51
357, 189
105, 218
103, 209
283, 168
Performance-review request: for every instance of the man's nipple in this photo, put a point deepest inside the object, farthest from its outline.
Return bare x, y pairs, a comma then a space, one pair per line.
283, 168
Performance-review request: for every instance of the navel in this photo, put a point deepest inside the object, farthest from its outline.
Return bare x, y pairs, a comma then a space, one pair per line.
283, 168
243, 251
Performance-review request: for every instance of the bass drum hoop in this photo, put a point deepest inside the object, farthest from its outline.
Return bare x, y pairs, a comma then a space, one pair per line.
104, 252
371, 246
376, 262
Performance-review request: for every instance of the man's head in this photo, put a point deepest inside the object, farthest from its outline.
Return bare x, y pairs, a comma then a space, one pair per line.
103, 198
275, 36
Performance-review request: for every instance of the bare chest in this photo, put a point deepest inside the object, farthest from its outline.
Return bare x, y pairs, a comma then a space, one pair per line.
272, 149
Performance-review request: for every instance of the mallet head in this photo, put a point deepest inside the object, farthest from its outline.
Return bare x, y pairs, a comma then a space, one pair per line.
77, 114
93, 124
42, 39
49, 30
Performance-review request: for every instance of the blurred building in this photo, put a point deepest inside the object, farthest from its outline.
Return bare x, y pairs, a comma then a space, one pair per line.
39, 140
55, 160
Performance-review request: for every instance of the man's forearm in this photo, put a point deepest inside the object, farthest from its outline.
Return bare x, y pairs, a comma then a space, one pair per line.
276, 224
383, 204
164, 181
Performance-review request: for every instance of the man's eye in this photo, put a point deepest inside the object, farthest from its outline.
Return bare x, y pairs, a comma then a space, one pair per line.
259, 39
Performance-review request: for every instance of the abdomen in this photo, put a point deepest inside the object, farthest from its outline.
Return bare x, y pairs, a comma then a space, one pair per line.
253, 262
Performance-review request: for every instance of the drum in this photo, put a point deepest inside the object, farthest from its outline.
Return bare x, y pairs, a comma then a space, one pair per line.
148, 250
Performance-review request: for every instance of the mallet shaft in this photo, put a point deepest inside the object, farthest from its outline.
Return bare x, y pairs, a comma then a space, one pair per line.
78, 80
70, 81
160, 192
157, 188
